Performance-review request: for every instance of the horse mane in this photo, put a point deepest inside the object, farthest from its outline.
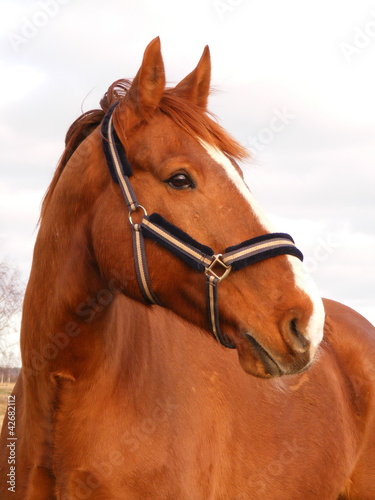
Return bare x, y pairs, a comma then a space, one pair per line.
193, 119
81, 128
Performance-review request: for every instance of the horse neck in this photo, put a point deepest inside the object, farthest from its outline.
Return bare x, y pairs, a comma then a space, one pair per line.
68, 303
100, 333
74, 320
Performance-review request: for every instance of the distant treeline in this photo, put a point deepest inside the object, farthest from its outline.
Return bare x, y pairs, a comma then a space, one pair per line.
8, 374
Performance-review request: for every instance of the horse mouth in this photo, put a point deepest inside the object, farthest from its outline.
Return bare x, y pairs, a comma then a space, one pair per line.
269, 367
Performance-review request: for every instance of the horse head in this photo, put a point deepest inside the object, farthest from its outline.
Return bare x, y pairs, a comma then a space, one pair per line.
183, 168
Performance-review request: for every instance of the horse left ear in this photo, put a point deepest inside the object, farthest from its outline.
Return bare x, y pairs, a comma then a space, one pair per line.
195, 87
148, 85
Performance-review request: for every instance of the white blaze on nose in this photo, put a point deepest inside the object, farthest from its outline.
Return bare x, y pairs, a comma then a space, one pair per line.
304, 282
237, 180
302, 279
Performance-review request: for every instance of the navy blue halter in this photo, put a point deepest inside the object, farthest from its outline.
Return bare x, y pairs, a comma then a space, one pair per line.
200, 257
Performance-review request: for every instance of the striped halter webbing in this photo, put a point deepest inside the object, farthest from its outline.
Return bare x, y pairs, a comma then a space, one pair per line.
200, 257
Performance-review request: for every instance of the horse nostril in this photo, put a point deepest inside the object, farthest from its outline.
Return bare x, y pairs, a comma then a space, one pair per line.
293, 326
297, 340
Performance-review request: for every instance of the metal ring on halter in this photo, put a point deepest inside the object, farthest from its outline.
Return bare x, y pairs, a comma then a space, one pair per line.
135, 210
209, 271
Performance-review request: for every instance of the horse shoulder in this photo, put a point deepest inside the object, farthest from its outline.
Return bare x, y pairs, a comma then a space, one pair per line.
352, 339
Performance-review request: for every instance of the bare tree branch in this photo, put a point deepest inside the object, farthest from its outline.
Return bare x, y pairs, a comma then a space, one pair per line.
11, 296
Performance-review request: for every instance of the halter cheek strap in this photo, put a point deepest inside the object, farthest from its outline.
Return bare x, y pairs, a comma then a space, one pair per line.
200, 257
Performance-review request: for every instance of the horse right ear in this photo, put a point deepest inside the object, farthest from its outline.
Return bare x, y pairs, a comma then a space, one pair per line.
147, 87
195, 87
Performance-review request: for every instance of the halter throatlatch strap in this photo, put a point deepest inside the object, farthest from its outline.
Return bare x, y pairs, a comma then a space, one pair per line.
120, 169
200, 257
141, 268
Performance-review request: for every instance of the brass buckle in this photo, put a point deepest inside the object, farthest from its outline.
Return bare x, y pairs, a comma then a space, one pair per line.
209, 271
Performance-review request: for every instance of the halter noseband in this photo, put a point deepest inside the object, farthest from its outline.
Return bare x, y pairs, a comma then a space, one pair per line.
200, 257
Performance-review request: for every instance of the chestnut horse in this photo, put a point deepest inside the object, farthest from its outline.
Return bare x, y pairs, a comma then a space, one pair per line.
120, 399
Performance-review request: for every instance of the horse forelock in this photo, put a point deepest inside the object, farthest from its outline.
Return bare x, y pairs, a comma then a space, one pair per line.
201, 124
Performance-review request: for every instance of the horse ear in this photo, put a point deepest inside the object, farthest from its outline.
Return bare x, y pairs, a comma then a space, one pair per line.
195, 87
148, 85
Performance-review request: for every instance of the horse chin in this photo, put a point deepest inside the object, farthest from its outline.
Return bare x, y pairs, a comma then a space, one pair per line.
257, 361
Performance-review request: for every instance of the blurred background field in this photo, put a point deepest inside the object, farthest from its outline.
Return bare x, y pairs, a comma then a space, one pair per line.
5, 390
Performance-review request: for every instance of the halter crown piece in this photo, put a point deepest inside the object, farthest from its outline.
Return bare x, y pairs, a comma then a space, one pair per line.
200, 257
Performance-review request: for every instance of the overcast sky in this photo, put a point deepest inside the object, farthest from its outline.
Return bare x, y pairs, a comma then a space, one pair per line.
295, 84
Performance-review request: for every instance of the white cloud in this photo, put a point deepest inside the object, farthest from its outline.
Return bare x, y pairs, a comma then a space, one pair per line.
17, 82
19, 214
10, 15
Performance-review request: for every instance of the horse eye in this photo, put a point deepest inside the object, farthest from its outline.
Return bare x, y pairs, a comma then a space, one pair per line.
180, 181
